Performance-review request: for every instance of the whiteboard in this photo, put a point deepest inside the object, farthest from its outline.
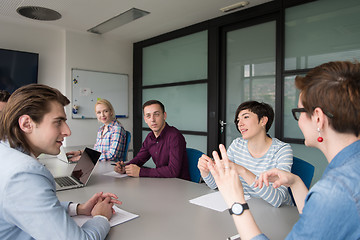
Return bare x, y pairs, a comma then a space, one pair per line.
89, 86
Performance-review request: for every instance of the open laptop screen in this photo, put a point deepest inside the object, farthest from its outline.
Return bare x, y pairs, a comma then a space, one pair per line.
85, 165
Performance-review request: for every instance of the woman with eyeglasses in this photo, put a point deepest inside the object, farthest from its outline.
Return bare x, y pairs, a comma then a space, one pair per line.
255, 152
328, 114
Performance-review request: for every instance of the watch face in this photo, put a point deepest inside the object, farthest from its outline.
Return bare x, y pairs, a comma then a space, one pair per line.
237, 208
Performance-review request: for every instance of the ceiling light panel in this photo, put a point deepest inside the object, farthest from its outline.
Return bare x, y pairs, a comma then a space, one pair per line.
234, 6
118, 21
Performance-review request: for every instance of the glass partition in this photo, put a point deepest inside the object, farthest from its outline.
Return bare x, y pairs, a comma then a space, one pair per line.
192, 141
250, 70
197, 142
170, 71
291, 98
185, 105
178, 60
321, 31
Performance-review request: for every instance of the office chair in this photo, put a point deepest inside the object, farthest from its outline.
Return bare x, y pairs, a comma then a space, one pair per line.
304, 170
128, 138
193, 158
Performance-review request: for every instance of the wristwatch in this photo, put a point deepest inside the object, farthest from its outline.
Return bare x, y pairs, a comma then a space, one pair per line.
238, 208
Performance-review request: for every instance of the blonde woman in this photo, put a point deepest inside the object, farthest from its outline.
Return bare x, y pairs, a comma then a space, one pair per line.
111, 136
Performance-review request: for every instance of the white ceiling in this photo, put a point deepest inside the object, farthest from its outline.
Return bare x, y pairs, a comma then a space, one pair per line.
165, 15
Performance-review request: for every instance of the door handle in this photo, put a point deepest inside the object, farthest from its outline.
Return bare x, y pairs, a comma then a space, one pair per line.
222, 125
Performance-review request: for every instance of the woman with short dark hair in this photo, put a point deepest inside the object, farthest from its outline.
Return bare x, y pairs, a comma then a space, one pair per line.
255, 152
328, 115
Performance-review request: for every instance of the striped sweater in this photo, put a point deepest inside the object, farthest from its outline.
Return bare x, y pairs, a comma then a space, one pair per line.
278, 156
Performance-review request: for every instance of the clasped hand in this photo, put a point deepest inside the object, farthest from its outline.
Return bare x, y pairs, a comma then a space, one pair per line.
132, 169
99, 204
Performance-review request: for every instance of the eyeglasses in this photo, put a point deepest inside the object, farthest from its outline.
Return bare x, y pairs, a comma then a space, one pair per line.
297, 111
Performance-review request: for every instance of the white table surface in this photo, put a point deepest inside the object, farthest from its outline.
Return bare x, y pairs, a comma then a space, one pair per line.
164, 209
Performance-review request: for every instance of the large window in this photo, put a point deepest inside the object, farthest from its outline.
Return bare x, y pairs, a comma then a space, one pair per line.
184, 68
250, 70
175, 73
316, 33
179, 60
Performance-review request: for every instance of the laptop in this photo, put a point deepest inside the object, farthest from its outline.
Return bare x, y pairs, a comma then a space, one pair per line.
81, 173
63, 157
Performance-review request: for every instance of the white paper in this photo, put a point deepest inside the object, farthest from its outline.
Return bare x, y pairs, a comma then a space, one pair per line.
213, 201
115, 174
119, 217
235, 237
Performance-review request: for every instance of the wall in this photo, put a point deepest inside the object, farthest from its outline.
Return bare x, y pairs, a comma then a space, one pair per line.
49, 43
59, 51
94, 52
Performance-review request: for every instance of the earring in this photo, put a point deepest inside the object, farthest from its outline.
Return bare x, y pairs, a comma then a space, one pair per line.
319, 139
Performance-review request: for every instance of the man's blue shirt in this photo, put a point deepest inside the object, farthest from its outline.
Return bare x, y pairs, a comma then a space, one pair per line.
29, 208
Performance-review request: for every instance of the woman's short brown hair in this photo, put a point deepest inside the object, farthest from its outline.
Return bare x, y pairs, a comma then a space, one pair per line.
32, 100
335, 88
260, 109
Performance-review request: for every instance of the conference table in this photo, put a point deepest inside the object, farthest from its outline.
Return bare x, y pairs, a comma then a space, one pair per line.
164, 209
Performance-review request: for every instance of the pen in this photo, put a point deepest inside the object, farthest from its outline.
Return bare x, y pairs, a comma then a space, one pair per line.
114, 164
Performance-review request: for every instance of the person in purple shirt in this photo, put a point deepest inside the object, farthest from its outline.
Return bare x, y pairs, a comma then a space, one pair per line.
165, 144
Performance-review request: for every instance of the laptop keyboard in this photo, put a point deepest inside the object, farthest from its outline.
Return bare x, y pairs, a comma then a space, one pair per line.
65, 181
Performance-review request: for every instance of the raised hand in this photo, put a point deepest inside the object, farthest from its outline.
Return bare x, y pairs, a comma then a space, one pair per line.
226, 177
203, 165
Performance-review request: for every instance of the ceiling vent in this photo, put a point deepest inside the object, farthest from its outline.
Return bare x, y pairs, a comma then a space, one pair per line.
39, 13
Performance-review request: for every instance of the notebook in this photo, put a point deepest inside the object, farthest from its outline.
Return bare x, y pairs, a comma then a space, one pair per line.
62, 156
81, 173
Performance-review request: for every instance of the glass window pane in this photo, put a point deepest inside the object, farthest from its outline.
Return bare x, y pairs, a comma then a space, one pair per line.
264, 69
197, 142
250, 70
260, 89
178, 60
321, 31
192, 141
186, 105
150, 163
291, 98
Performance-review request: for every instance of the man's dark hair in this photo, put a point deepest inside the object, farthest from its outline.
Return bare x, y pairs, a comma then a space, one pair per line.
4, 96
151, 102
